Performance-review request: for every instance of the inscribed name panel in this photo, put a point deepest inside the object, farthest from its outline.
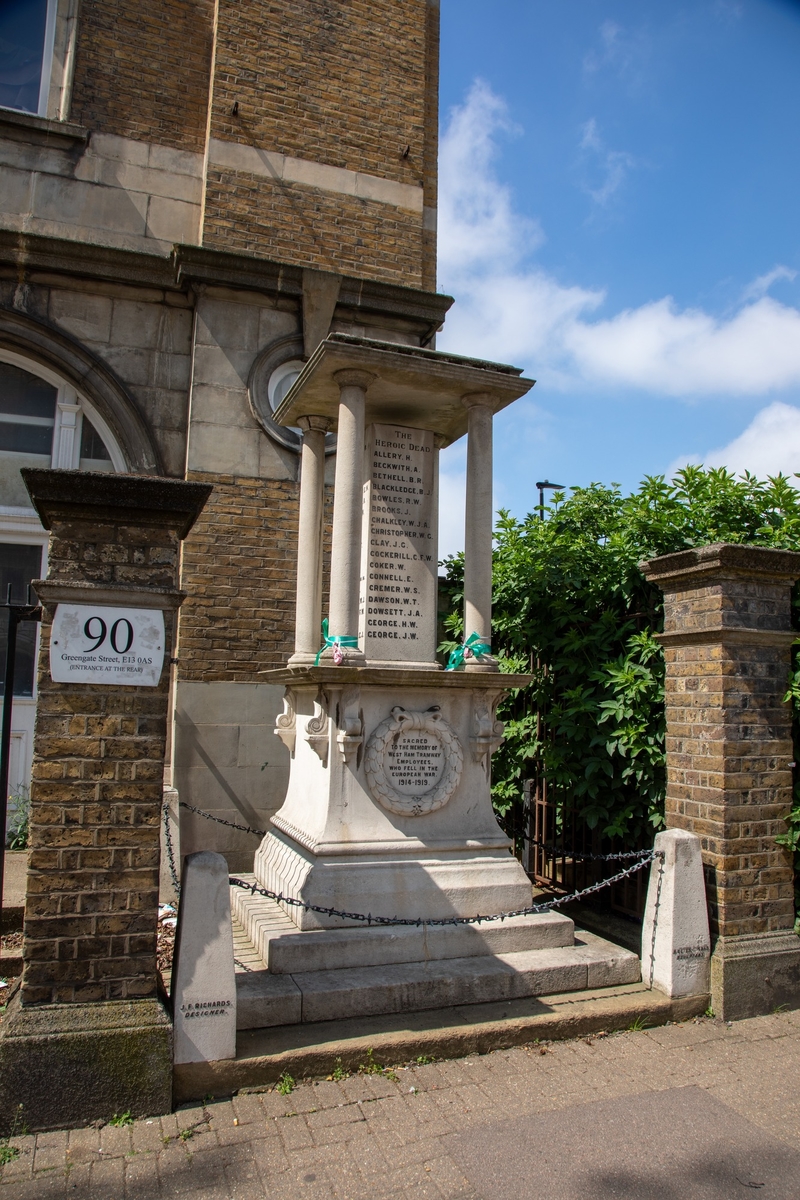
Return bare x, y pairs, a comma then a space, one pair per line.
397, 608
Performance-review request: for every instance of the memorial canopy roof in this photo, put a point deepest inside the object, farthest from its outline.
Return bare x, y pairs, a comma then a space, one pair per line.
422, 389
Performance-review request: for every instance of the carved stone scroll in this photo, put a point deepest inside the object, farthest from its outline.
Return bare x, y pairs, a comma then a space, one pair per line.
487, 735
317, 728
286, 724
351, 724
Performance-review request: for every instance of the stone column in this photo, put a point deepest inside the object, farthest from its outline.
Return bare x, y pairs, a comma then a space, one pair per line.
347, 510
478, 531
86, 1035
727, 637
308, 611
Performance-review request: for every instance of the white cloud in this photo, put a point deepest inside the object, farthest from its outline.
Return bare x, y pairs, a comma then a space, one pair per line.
760, 286
613, 165
508, 308
478, 228
769, 445
625, 53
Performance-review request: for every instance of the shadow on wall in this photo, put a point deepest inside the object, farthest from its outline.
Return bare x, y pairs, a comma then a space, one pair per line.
229, 763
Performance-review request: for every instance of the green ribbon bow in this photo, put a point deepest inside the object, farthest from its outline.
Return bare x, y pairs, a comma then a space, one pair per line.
336, 640
473, 643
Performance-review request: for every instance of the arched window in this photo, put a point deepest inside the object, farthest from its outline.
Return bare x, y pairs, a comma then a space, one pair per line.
44, 422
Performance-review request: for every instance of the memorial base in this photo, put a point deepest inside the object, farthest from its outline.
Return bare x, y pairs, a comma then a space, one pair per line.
388, 809
289, 977
70, 1064
755, 974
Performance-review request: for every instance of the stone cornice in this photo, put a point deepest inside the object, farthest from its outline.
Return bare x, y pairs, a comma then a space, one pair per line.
727, 635
195, 267
120, 595
701, 565
394, 677
83, 495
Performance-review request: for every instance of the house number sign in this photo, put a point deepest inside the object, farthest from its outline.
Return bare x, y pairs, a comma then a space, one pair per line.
91, 643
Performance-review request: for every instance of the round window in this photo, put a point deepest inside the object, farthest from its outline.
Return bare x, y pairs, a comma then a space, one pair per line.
272, 375
281, 380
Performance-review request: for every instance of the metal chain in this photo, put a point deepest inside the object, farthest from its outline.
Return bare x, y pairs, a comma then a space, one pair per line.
279, 898
642, 859
619, 856
661, 858
221, 820
173, 870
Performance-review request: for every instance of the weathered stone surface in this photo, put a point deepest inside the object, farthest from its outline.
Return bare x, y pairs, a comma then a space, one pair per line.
287, 950
675, 939
263, 999
69, 1064
203, 981
754, 974
405, 987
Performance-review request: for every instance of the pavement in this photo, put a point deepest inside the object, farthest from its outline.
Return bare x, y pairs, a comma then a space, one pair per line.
700, 1110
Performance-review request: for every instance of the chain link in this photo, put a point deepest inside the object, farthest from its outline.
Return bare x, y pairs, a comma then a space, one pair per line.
173, 870
221, 820
656, 906
643, 858
547, 906
618, 856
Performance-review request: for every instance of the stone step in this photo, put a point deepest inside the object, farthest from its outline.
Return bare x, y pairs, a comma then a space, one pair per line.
287, 951
266, 999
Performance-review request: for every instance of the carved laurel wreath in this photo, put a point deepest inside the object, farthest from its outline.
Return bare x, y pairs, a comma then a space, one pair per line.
390, 730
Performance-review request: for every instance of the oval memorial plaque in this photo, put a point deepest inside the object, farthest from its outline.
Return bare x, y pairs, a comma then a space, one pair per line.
413, 762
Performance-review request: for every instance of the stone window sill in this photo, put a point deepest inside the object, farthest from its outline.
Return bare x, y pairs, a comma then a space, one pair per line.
40, 131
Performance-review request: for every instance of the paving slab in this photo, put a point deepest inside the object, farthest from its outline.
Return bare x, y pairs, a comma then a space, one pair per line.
668, 1145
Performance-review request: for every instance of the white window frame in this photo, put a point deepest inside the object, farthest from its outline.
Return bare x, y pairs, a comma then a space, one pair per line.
70, 408
58, 61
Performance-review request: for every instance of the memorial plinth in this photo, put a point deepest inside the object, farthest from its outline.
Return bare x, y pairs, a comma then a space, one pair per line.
388, 810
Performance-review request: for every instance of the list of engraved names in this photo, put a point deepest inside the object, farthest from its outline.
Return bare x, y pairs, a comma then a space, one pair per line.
397, 610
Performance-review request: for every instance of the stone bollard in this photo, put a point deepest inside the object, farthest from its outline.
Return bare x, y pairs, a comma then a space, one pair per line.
203, 979
675, 938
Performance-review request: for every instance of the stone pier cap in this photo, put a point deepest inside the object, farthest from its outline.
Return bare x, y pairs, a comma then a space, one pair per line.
726, 559
732, 618
416, 388
95, 495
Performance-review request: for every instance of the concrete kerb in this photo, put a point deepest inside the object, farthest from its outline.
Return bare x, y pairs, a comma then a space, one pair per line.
314, 1050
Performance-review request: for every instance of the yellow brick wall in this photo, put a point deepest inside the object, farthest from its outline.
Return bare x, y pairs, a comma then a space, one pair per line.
239, 570
142, 70
314, 228
351, 84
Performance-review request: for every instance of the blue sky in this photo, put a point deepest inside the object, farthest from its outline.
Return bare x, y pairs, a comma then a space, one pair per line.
620, 215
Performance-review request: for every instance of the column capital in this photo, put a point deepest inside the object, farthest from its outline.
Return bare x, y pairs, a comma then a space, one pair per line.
354, 378
313, 422
478, 400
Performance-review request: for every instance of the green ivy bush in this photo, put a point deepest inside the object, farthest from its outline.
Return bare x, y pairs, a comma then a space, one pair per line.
572, 607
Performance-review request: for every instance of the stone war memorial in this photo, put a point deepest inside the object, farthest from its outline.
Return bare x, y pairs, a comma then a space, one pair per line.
388, 812
219, 462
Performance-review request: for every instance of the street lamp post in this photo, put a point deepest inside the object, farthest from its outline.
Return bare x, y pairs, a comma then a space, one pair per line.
545, 483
